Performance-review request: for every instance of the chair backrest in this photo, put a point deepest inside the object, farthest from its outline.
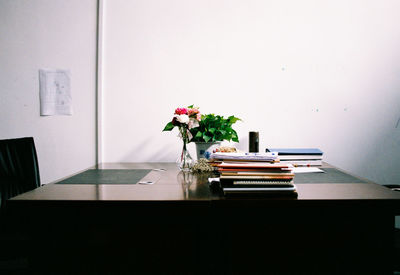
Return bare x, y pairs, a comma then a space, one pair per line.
19, 168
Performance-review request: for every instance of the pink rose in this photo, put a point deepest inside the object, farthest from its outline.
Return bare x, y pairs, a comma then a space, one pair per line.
193, 111
181, 111
198, 116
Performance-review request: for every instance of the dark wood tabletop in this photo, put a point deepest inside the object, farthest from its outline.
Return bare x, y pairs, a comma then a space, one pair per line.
172, 185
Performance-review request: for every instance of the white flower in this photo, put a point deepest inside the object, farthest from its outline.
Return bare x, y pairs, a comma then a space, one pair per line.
182, 118
193, 123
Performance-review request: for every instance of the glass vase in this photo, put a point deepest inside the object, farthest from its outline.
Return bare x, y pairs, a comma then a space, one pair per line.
185, 161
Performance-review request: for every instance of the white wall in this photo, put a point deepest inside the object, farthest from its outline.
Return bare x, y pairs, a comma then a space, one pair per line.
303, 73
38, 34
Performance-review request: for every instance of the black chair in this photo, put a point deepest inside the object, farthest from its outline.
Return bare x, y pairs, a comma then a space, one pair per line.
19, 169
19, 173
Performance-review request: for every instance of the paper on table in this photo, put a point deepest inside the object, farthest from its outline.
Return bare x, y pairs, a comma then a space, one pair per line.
55, 92
307, 170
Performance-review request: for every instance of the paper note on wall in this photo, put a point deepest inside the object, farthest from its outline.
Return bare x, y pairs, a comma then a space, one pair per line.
55, 92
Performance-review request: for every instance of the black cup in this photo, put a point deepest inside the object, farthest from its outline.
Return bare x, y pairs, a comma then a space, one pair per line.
253, 142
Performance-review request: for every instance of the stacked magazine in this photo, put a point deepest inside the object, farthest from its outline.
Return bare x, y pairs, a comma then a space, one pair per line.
254, 173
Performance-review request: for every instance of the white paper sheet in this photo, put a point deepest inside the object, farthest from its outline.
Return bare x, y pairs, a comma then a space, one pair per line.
307, 170
55, 92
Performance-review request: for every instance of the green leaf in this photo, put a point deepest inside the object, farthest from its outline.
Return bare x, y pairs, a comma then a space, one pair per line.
206, 137
210, 116
235, 136
199, 135
191, 106
233, 119
169, 126
223, 132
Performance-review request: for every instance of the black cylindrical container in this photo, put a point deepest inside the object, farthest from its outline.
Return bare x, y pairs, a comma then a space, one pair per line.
253, 142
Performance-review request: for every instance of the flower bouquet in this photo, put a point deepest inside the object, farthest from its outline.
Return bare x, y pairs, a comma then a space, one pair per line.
185, 119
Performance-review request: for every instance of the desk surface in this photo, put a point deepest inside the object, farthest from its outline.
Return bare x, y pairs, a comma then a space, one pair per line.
170, 185
175, 218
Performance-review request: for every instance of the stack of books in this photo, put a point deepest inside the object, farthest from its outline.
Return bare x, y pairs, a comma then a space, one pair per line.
299, 156
255, 173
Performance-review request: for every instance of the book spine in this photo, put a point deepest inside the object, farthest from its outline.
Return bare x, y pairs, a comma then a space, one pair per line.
257, 174
246, 177
260, 170
256, 183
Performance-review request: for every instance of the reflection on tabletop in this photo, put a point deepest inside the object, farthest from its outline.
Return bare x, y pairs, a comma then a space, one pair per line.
193, 183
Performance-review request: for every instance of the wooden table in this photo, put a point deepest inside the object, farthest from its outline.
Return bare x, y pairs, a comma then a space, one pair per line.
179, 225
